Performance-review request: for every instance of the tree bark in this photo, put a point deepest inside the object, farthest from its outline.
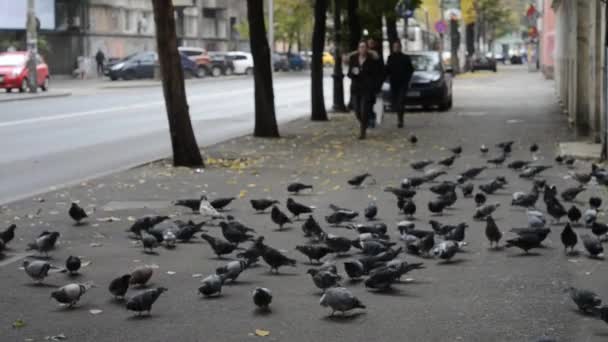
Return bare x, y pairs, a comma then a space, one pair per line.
339, 105
183, 141
391, 29
316, 70
354, 25
265, 118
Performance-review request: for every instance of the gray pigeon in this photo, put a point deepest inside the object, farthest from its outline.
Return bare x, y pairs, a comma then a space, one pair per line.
485, 210
211, 285
355, 269
44, 243
232, 270
593, 245
324, 279
340, 299
141, 275
585, 300
70, 294
446, 250
37, 269
262, 297
143, 302
536, 219
149, 242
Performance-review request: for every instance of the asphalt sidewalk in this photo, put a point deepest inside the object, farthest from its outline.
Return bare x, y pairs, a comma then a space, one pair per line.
485, 295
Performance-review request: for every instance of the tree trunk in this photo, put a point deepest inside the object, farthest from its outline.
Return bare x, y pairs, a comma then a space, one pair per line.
339, 105
316, 70
265, 119
183, 141
391, 29
354, 25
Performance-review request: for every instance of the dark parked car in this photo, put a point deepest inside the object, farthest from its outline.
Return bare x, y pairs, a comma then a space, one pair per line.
431, 83
296, 62
484, 63
280, 62
142, 65
516, 60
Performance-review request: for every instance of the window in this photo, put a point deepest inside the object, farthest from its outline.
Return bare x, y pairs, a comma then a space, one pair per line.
239, 57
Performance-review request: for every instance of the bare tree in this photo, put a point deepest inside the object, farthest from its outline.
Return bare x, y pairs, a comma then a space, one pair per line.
339, 105
265, 118
316, 68
183, 141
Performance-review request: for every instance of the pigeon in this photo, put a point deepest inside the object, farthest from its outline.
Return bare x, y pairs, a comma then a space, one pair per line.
518, 164
431, 175
8, 234
581, 178
556, 209
295, 188
298, 209
324, 279
145, 223
169, 239
274, 258
574, 215
412, 182
37, 269
220, 247
70, 294
402, 266
279, 217
447, 162
312, 228
141, 275
221, 203
190, 203
186, 233
536, 219
212, 285
542, 233
231, 270
492, 232
569, 238
480, 199
371, 247
593, 245
485, 210
338, 244
253, 253
149, 242
339, 217
206, 209
445, 250
472, 172
498, 160
142, 302
559, 159
570, 194
409, 208
492, 187
261, 205
382, 278
467, 189
586, 301
358, 180
340, 299
77, 213
533, 171
420, 165
370, 211
72, 264
262, 297
354, 269
443, 188
436, 206
525, 199
401, 193
525, 242
233, 234
119, 286
484, 149
599, 229
413, 139
44, 243
456, 150
440, 228
505, 146
314, 252
457, 234
534, 148
589, 216
594, 203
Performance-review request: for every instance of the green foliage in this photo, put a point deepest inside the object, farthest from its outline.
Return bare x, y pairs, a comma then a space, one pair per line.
293, 19
499, 19
370, 11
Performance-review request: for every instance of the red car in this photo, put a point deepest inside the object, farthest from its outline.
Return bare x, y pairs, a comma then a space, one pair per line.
14, 73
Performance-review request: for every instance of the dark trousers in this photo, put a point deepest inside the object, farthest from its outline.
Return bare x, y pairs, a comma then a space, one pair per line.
362, 104
100, 68
398, 99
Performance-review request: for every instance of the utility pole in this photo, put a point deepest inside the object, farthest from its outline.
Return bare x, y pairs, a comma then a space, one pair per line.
32, 46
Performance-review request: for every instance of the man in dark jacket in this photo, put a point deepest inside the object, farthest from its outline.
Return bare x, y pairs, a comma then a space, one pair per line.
399, 71
100, 58
364, 72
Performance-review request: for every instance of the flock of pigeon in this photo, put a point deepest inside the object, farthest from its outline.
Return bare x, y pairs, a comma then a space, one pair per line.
377, 259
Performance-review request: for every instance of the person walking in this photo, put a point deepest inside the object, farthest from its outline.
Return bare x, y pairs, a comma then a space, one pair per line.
364, 73
399, 71
376, 50
100, 58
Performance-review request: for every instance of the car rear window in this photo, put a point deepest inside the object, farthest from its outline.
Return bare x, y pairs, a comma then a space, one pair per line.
12, 60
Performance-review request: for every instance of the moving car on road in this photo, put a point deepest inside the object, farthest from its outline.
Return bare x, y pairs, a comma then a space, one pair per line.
243, 62
207, 63
431, 83
280, 62
142, 65
14, 73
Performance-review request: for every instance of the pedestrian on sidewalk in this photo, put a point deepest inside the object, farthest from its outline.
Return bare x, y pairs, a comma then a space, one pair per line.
364, 73
399, 71
101, 59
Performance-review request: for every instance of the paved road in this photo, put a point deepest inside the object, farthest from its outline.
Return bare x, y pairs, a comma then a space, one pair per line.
56, 141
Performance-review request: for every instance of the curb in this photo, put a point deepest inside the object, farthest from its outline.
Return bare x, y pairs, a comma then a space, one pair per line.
35, 97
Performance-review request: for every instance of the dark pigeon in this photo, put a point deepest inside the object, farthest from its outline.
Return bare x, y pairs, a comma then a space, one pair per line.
569, 238
492, 232
8, 234
77, 213
314, 252
297, 187
279, 217
263, 204
119, 286
219, 246
262, 297
72, 264
298, 209
143, 302
358, 180
221, 203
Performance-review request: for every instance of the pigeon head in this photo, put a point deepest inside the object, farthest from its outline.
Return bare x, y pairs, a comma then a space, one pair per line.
203, 197
26, 263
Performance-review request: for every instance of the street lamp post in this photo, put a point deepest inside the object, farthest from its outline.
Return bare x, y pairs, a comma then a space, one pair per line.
32, 46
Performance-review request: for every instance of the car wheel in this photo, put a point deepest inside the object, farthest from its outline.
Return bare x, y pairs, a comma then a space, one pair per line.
24, 86
228, 72
202, 72
446, 104
249, 71
113, 78
216, 72
45, 84
8, 90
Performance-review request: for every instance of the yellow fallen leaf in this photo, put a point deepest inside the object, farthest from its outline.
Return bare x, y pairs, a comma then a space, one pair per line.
261, 332
242, 193
337, 187
251, 185
18, 324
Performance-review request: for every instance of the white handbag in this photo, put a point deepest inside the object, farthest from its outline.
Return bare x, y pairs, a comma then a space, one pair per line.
379, 110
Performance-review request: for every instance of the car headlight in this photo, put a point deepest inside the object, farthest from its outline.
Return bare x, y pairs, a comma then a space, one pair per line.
16, 72
118, 66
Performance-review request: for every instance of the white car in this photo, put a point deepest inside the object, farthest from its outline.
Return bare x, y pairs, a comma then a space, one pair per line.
243, 62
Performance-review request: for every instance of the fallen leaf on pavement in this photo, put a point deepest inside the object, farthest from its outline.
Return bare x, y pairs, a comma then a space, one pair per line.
18, 324
197, 275
171, 272
261, 332
95, 311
